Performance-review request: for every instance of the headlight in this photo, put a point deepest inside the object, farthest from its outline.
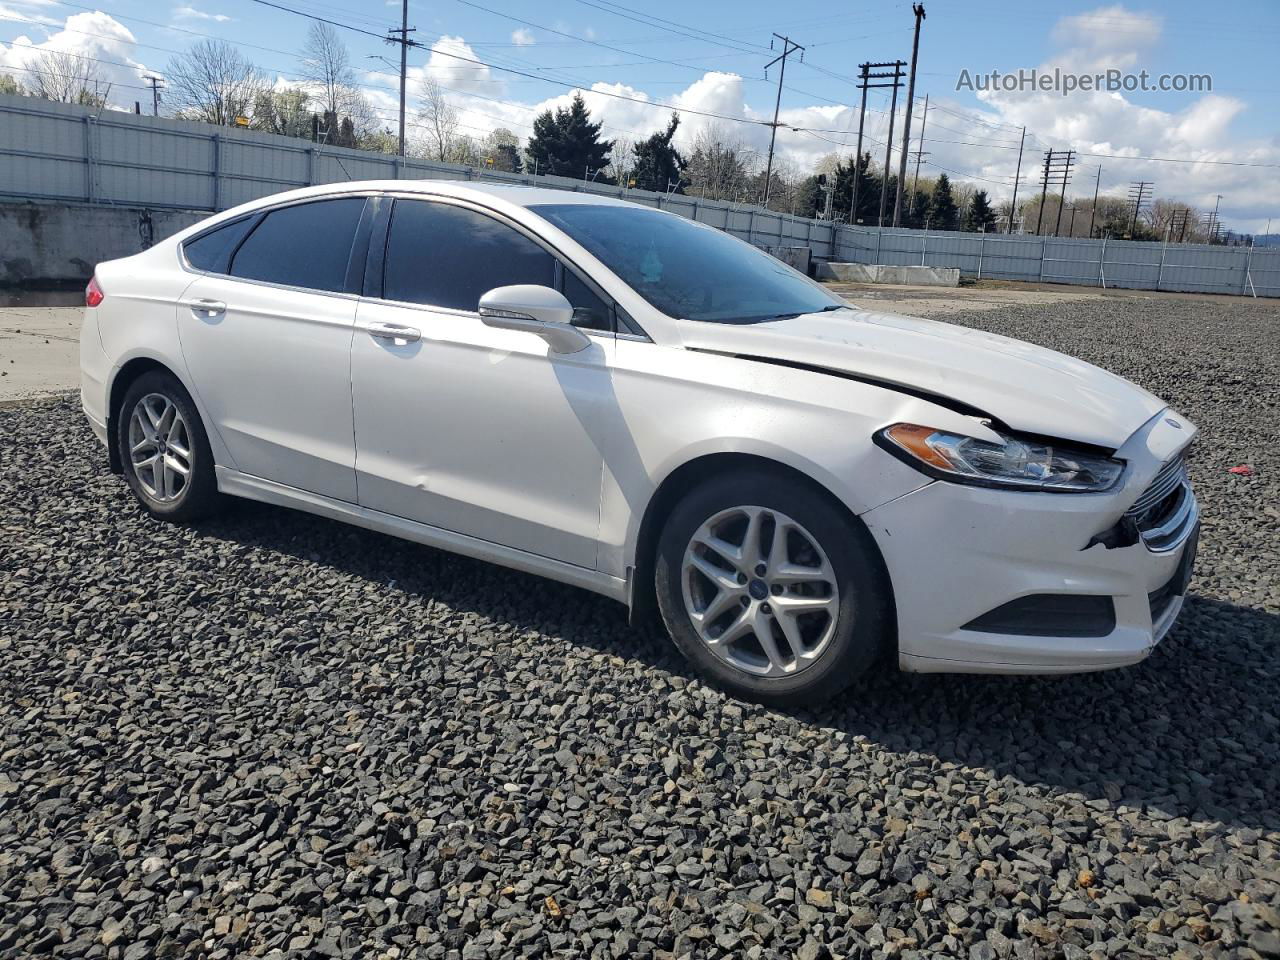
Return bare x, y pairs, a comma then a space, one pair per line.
1014, 463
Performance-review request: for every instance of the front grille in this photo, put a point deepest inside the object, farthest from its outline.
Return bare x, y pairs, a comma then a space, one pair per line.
1171, 474
1166, 511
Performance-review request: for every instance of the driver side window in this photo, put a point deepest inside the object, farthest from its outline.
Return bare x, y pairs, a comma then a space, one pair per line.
441, 255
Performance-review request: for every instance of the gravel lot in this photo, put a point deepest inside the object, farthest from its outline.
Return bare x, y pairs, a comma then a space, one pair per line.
278, 734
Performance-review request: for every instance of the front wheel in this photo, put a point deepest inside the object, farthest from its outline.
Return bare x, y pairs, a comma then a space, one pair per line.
770, 589
164, 450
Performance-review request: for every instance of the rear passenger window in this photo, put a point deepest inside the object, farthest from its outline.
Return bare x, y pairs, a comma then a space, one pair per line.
446, 256
305, 245
211, 251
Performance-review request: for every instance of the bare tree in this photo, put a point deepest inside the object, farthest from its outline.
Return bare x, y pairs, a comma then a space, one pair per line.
67, 78
213, 82
326, 64
621, 162
439, 121
719, 168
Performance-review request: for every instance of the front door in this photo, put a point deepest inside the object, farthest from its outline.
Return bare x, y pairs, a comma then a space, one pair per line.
468, 428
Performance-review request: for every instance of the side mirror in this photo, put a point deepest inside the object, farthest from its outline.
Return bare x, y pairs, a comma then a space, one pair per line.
534, 309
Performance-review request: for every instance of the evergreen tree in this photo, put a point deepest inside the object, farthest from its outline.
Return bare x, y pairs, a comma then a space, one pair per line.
868, 191
507, 157
657, 162
566, 143
813, 198
979, 218
943, 205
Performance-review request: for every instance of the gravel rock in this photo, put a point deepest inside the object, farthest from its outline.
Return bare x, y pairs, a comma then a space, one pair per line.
273, 734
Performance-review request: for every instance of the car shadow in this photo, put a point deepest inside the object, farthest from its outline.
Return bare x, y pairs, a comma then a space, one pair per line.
1182, 733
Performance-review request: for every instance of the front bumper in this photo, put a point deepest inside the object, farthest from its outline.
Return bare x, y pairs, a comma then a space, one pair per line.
955, 553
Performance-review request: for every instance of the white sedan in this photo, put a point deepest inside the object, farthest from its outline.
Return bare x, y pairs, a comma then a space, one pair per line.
618, 398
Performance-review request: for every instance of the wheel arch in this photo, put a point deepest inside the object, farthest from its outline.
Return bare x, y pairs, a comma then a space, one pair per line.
128, 373
642, 601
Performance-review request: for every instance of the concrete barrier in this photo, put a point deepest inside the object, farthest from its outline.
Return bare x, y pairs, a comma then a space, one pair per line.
886, 273
58, 245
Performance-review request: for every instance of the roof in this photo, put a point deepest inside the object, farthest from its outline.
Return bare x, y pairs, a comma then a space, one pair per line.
513, 193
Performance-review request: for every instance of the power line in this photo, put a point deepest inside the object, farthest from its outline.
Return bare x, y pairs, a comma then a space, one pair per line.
523, 73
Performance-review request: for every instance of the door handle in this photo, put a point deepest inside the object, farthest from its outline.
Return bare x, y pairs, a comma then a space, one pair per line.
394, 331
210, 307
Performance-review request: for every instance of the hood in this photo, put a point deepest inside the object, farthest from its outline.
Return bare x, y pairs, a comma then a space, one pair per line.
1027, 388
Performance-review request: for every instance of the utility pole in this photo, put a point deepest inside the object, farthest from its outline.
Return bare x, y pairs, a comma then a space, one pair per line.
401, 36
920, 154
157, 84
918, 10
1055, 162
1094, 212
1017, 178
1062, 201
864, 84
888, 141
788, 48
1139, 193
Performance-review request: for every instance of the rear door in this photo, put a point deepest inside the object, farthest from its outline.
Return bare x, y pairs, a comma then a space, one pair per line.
266, 334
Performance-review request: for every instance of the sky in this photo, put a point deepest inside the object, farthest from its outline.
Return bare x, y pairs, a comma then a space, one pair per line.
635, 62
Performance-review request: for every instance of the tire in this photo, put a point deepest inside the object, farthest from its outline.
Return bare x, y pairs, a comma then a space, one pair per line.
176, 438
827, 589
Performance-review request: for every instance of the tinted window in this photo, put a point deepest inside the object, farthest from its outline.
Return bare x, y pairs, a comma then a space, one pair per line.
589, 311
689, 270
446, 256
306, 245
210, 252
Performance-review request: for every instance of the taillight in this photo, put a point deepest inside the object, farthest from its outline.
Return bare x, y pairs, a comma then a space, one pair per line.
93, 294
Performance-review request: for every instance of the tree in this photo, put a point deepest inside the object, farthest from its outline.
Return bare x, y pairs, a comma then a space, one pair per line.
327, 65
213, 82
566, 143
11, 86
868, 191
501, 149
718, 168
979, 217
439, 121
286, 111
67, 78
659, 164
942, 214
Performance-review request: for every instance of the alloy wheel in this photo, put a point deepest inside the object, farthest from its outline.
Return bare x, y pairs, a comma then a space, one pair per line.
760, 591
160, 448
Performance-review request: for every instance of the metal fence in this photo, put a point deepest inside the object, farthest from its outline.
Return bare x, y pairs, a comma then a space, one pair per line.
1178, 267
58, 152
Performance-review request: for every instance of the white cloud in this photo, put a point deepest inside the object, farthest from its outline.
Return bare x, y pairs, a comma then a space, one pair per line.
448, 66
28, 11
104, 41
191, 13
522, 37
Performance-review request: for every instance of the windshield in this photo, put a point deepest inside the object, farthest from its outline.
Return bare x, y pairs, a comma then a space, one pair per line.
686, 269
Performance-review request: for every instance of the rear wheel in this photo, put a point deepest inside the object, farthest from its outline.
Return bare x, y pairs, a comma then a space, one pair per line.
164, 449
771, 589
